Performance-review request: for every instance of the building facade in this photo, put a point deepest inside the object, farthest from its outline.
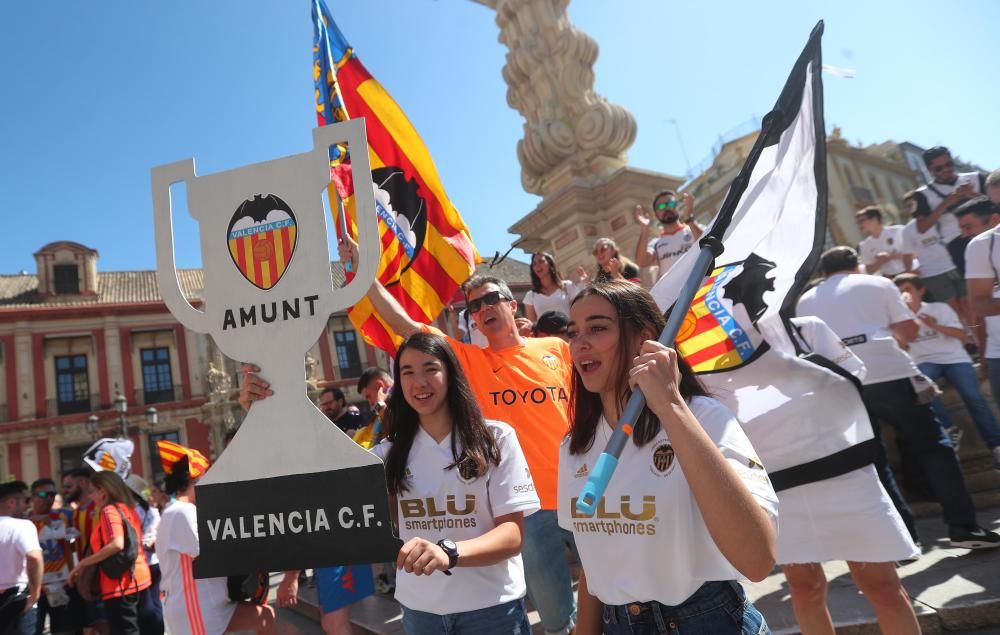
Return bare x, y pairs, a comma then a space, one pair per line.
856, 177
75, 340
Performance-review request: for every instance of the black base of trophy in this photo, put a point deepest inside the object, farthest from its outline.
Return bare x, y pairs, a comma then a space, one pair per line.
301, 521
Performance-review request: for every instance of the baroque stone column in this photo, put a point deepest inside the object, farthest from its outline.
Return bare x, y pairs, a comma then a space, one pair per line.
570, 132
573, 153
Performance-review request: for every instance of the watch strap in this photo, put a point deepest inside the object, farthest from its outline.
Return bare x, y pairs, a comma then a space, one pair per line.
452, 554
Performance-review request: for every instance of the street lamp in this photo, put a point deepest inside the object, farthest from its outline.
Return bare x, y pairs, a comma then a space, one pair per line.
151, 417
93, 425
120, 406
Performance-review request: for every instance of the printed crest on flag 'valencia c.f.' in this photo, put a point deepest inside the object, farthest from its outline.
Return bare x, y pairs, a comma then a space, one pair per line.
261, 239
719, 331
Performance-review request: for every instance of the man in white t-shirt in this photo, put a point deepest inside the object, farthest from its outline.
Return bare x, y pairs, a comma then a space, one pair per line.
868, 314
883, 252
980, 219
676, 236
937, 199
21, 561
938, 351
940, 276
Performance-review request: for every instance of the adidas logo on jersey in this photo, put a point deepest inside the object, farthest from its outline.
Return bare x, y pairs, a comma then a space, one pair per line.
583, 471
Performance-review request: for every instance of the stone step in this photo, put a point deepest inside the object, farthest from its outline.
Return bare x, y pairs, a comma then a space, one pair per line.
980, 500
953, 590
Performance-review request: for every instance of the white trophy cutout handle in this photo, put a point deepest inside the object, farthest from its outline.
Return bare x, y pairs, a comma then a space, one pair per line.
166, 270
353, 132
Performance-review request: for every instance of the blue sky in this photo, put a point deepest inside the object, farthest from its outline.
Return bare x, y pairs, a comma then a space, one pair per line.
97, 93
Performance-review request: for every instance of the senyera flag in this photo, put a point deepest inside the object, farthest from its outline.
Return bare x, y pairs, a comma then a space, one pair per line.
803, 414
427, 251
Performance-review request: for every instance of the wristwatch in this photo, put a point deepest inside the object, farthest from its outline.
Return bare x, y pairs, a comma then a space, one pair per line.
451, 549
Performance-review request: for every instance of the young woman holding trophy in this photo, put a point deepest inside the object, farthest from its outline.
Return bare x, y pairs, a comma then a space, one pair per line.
460, 487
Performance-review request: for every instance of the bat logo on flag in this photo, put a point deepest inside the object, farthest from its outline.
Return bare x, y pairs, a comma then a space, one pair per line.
403, 212
719, 332
261, 239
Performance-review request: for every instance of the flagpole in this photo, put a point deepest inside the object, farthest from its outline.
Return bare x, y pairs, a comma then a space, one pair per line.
711, 248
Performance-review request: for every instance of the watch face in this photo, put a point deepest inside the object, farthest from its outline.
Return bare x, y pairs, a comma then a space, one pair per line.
448, 544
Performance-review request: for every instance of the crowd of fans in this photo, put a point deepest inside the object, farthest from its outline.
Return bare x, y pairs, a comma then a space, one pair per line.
511, 416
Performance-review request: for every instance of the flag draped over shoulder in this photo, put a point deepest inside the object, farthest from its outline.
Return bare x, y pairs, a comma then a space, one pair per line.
427, 251
803, 414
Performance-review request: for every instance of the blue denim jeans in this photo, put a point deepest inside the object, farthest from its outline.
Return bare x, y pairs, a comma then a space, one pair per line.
993, 374
29, 620
716, 608
550, 582
963, 378
503, 619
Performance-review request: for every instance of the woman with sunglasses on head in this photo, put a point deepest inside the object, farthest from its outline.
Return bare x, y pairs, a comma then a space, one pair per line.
461, 488
195, 606
611, 265
549, 292
690, 509
121, 595
676, 236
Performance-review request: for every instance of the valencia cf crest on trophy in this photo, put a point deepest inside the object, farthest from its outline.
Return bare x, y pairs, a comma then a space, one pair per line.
262, 239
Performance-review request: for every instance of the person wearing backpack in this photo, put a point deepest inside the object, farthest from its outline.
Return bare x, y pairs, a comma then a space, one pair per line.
116, 550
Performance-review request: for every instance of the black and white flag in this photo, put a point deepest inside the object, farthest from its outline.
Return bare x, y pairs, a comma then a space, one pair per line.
803, 413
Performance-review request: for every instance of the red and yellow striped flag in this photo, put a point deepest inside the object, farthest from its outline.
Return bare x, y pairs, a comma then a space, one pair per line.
171, 453
427, 251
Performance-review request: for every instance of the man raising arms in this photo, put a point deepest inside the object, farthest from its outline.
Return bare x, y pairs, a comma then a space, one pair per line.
676, 236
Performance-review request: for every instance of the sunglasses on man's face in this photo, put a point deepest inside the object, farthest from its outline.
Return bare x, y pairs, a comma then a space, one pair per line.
491, 299
942, 166
45, 494
665, 205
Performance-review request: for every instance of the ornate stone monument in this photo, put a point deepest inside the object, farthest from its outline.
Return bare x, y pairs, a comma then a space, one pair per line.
573, 153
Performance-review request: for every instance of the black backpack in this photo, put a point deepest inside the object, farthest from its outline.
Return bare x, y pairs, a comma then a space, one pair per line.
124, 561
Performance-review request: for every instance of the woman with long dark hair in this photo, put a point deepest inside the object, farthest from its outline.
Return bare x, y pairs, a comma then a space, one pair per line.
121, 595
549, 292
690, 509
461, 488
195, 606
611, 264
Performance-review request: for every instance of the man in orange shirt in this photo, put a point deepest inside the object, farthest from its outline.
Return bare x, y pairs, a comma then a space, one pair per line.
524, 382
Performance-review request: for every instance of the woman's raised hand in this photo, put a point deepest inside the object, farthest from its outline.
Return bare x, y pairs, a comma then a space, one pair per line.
655, 372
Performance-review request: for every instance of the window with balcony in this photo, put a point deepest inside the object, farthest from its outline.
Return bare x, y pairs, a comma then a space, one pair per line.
154, 452
66, 279
348, 359
157, 383
72, 384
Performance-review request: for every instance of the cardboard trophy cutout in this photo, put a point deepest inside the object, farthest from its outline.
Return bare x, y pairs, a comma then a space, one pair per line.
291, 491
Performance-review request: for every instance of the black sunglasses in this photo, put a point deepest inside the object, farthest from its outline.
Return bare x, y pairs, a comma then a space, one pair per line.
943, 166
491, 299
662, 205
44, 494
